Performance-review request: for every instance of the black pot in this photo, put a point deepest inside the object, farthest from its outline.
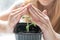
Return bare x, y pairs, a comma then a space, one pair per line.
22, 34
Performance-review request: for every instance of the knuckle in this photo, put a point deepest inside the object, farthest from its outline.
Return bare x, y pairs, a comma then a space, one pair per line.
47, 18
11, 14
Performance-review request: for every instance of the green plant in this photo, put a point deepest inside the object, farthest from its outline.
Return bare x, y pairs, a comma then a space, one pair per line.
28, 25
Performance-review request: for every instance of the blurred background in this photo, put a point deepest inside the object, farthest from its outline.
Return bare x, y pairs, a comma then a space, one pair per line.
6, 4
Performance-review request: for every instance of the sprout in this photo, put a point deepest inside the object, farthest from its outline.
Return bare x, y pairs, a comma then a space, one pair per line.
27, 27
28, 19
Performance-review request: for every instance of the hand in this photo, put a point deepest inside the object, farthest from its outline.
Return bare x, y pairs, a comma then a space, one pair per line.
42, 20
15, 16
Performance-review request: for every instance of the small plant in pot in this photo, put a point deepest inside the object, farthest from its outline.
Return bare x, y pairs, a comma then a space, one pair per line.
27, 30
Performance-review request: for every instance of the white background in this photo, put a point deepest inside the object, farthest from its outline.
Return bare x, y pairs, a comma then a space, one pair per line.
7, 37
6, 4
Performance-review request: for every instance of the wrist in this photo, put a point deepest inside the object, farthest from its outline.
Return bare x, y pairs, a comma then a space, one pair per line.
3, 26
57, 35
10, 28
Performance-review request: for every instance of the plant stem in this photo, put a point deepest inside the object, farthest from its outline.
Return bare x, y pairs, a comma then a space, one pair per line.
27, 27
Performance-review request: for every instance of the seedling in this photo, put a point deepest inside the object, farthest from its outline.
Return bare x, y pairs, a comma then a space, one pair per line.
28, 25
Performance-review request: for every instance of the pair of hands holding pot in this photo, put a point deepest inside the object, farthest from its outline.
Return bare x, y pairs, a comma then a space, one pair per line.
40, 18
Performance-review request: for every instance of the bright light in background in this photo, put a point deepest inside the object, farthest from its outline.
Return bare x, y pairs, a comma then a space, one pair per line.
7, 37
6, 4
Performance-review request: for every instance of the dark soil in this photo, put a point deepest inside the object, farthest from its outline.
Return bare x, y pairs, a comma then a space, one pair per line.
21, 28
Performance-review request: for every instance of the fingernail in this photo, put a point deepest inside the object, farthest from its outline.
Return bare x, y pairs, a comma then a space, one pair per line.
45, 12
29, 6
22, 5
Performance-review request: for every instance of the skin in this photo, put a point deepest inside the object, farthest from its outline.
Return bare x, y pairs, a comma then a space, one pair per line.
40, 18
45, 2
15, 16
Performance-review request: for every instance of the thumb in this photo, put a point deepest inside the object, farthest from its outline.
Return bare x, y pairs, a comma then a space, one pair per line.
44, 11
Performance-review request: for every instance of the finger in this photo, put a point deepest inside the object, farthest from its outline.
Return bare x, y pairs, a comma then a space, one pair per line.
18, 16
41, 14
19, 10
38, 11
14, 15
46, 17
21, 13
14, 12
22, 7
45, 12
38, 19
33, 14
15, 19
39, 24
18, 6
36, 15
